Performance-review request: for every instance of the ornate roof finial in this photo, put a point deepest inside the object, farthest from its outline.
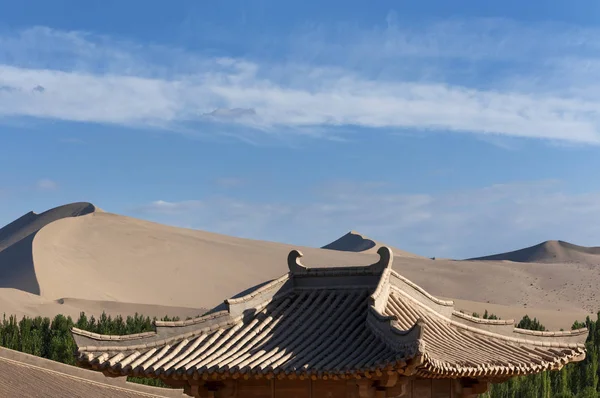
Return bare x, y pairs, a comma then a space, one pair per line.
386, 258
294, 263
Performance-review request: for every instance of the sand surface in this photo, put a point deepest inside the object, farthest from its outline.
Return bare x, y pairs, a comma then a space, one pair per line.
106, 261
20, 303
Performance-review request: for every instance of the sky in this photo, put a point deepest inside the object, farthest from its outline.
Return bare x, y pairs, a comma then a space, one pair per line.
448, 129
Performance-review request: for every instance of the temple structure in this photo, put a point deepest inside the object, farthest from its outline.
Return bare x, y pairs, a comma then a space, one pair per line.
333, 332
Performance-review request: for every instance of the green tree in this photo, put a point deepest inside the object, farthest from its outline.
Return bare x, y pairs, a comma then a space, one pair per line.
588, 392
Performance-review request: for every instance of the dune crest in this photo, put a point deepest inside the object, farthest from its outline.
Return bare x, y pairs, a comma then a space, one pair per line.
16, 244
32, 222
356, 242
551, 251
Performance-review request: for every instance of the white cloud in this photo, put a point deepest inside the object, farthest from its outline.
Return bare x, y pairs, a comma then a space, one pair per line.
233, 113
47, 185
96, 79
460, 224
171, 208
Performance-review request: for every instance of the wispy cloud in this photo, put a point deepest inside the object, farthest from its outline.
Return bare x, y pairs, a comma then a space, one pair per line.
337, 79
233, 113
171, 208
47, 185
230, 182
458, 224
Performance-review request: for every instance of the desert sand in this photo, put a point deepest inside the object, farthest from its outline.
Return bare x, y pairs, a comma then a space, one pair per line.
78, 258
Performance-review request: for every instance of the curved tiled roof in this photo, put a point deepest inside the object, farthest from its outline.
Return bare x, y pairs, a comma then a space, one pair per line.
332, 323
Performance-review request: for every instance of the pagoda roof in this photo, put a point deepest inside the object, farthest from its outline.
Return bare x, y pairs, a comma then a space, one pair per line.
322, 323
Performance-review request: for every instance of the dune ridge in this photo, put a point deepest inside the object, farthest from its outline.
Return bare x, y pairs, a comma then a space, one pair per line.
32, 222
551, 251
16, 244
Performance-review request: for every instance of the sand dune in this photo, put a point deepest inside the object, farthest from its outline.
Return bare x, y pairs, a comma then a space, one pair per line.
16, 241
552, 251
31, 222
355, 242
100, 260
106, 257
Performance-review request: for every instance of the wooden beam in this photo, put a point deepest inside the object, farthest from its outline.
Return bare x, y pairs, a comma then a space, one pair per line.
471, 388
365, 388
389, 380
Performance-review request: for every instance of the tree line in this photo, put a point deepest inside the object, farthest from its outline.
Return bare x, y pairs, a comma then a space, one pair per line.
575, 380
52, 339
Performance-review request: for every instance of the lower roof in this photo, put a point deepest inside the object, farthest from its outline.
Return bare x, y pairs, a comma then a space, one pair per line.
27, 376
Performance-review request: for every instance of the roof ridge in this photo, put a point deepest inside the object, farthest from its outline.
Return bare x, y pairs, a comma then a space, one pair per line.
203, 318
482, 320
380, 295
168, 340
172, 338
552, 333
268, 286
446, 303
498, 335
116, 337
386, 257
229, 302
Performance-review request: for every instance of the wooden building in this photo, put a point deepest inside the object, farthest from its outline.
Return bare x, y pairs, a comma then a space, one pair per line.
333, 332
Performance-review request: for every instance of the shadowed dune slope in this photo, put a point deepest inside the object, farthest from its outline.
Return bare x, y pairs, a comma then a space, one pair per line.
355, 242
16, 240
31, 222
552, 251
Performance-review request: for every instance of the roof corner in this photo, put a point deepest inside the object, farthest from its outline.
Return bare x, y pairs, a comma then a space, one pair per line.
386, 259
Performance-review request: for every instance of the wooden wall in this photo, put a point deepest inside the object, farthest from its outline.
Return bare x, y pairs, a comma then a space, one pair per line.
263, 388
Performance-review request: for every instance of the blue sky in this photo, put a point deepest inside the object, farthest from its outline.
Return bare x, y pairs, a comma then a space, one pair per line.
450, 129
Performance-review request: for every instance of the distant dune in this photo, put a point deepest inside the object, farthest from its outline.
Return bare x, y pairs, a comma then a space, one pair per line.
355, 242
76, 257
552, 251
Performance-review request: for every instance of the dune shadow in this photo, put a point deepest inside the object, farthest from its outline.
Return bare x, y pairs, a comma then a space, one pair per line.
16, 244
351, 242
16, 267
